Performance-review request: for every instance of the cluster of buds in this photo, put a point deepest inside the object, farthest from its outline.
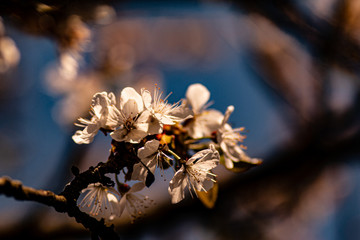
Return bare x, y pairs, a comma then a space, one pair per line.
148, 133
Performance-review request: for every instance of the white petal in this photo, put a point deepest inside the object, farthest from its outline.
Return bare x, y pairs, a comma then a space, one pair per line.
87, 135
130, 93
144, 117
198, 156
197, 95
135, 136
195, 130
113, 119
182, 113
152, 164
205, 124
234, 152
164, 119
211, 119
112, 98
130, 109
92, 128
205, 158
155, 127
142, 127
207, 165
136, 187
80, 138
139, 172
100, 202
177, 186
119, 134
100, 102
237, 153
228, 112
201, 183
146, 96
114, 202
122, 204
228, 163
151, 147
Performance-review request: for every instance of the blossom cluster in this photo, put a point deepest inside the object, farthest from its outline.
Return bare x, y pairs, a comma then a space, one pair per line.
186, 137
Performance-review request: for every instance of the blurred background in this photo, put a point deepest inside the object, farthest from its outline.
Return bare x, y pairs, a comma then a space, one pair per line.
291, 68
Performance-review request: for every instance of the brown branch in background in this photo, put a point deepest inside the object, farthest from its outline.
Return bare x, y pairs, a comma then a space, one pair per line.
120, 157
66, 201
15, 189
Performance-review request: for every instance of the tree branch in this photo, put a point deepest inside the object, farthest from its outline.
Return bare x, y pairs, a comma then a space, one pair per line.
15, 189
120, 157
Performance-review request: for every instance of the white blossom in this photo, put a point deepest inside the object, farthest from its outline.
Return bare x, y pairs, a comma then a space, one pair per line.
151, 156
134, 203
204, 121
100, 201
103, 111
132, 118
194, 174
163, 113
228, 139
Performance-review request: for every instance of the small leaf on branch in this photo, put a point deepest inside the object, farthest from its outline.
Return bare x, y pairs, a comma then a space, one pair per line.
209, 198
